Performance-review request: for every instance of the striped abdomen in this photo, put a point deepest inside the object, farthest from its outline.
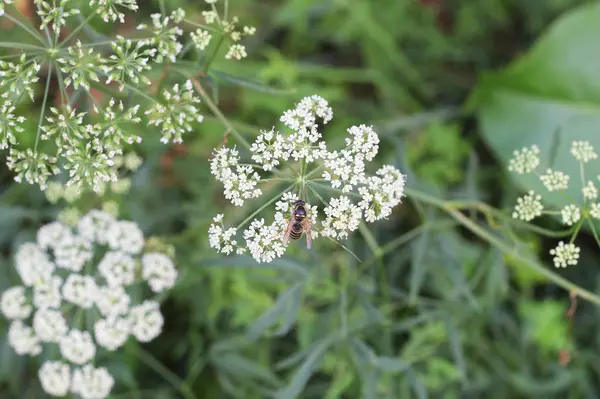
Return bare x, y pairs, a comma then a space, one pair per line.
296, 231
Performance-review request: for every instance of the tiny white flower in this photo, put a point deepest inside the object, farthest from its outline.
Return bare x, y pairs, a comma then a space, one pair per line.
265, 241
118, 268
47, 293
80, 290
525, 160
565, 255
236, 51
96, 226
112, 333
342, 216
77, 347
126, 236
112, 300
52, 235
363, 140
555, 180
92, 383
159, 270
595, 210
201, 38
590, 192
55, 378
528, 207
73, 253
23, 339
146, 321
583, 151
49, 325
33, 264
14, 303
570, 214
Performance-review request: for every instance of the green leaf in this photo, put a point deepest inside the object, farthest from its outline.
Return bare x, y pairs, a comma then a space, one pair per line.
555, 87
418, 266
239, 366
304, 372
287, 305
248, 262
251, 84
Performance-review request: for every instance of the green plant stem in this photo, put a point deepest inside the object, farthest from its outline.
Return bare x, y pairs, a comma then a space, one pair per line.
164, 372
78, 28
256, 212
213, 55
503, 246
29, 30
594, 232
215, 110
197, 25
44, 101
21, 46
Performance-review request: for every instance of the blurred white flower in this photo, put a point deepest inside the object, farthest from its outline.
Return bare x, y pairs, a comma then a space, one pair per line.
112, 333
126, 236
23, 339
595, 210
55, 378
49, 325
583, 151
88, 288
14, 303
590, 192
80, 290
77, 347
146, 321
159, 271
565, 254
92, 383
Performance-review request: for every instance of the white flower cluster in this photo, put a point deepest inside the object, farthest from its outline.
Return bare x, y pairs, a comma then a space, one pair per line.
530, 206
63, 292
85, 144
301, 156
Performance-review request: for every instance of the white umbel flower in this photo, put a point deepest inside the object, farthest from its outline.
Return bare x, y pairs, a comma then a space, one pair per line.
49, 325
14, 304
220, 238
264, 241
590, 192
565, 254
525, 160
146, 321
342, 216
33, 264
112, 333
80, 290
118, 268
363, 140
77, 347
92, 383
23, 339
595, 210
47, 293
570, 214
555, 180
52, 235
73, 253
95, 226
528, 207
55, 378
112, 300
583, 151
159, 271
126, 236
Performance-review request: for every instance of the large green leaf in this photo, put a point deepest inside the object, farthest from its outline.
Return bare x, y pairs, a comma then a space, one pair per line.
551, 96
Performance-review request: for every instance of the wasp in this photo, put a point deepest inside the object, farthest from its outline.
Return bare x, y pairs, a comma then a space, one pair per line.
299, 223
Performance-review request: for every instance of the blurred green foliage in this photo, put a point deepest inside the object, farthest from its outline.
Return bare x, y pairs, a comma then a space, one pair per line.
431, 311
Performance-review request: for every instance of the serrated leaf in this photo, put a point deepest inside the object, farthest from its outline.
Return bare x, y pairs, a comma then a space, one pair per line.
284, 305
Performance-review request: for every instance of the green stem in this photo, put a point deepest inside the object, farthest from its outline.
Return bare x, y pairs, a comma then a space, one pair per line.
77, 29
197, 25
256, 212
29, 30
594, 232
214, 54
21, 46
504, 247
577, 228
44, 101
164, 372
